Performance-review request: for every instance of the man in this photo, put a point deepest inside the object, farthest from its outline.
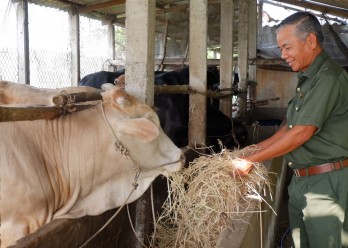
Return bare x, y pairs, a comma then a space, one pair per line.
314, 141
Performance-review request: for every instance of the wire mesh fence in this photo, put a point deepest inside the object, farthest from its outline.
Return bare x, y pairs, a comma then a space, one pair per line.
49, 46
50, 53
9, 64
93, 64
50, 69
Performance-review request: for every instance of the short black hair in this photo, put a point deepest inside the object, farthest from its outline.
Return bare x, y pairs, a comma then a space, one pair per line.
305, 23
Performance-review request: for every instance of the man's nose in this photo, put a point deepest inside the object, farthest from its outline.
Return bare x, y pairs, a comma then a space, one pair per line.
283, 54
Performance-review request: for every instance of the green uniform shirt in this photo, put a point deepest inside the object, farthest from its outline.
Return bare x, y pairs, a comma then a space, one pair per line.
321, 100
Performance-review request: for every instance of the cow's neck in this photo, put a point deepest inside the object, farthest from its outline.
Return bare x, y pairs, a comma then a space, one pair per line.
85, 158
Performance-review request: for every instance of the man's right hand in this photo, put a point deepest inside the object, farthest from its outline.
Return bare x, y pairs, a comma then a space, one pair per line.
241, 167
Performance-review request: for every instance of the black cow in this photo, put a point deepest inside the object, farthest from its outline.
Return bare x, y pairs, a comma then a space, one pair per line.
174, 112
99, 78
173, 109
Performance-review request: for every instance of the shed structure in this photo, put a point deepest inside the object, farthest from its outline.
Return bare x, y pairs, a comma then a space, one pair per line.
167, 34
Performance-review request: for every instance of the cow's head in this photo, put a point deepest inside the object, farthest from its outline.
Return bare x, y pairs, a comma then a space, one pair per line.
139, 131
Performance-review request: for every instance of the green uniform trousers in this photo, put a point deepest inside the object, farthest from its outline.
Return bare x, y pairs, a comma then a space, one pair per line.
318, 210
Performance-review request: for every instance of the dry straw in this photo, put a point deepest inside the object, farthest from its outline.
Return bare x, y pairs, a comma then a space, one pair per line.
205, 197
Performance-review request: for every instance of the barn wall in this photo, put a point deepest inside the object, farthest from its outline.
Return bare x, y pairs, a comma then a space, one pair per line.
273, 83
263, 121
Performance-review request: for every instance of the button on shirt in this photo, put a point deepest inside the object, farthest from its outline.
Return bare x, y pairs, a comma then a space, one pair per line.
321, 100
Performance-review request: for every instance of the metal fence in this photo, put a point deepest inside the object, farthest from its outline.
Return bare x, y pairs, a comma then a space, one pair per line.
50, 65
9, 64
49, 69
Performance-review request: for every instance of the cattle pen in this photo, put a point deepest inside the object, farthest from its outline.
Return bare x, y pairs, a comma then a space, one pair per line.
204, 65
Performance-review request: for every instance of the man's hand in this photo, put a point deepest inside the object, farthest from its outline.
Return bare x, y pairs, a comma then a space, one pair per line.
242, 167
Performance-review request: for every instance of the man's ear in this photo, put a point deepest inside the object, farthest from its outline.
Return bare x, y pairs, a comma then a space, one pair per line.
313, 40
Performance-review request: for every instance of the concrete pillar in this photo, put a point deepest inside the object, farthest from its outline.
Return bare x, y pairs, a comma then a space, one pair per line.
74, 23
243, 33
23, 42
226, 50
140, 49
198, 71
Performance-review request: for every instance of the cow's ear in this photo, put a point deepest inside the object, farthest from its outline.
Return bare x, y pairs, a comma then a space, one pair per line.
111, 91
122, 101
145, 130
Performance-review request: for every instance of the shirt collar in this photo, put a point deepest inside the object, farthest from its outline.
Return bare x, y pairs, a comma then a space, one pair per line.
313, 68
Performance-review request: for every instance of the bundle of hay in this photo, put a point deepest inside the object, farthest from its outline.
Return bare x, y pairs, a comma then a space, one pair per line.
205, 197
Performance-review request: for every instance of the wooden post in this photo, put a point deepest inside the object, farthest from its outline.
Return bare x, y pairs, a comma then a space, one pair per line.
252, 47
198, 71
161, 67
74, 21
259, 23
23, 42
243, 39
226, 60
140, 49
111, 44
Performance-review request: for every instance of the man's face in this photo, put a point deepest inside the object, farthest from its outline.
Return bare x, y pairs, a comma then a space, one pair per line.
296, 52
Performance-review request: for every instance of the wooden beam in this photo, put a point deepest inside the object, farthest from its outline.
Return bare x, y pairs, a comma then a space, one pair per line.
179, 61
92, 7
335, 3
179, 8
64, 99
28, 113
71, 3
320, 8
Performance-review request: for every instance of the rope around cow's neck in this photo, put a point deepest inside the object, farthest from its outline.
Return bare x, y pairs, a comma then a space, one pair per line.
111, 218
125, 153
